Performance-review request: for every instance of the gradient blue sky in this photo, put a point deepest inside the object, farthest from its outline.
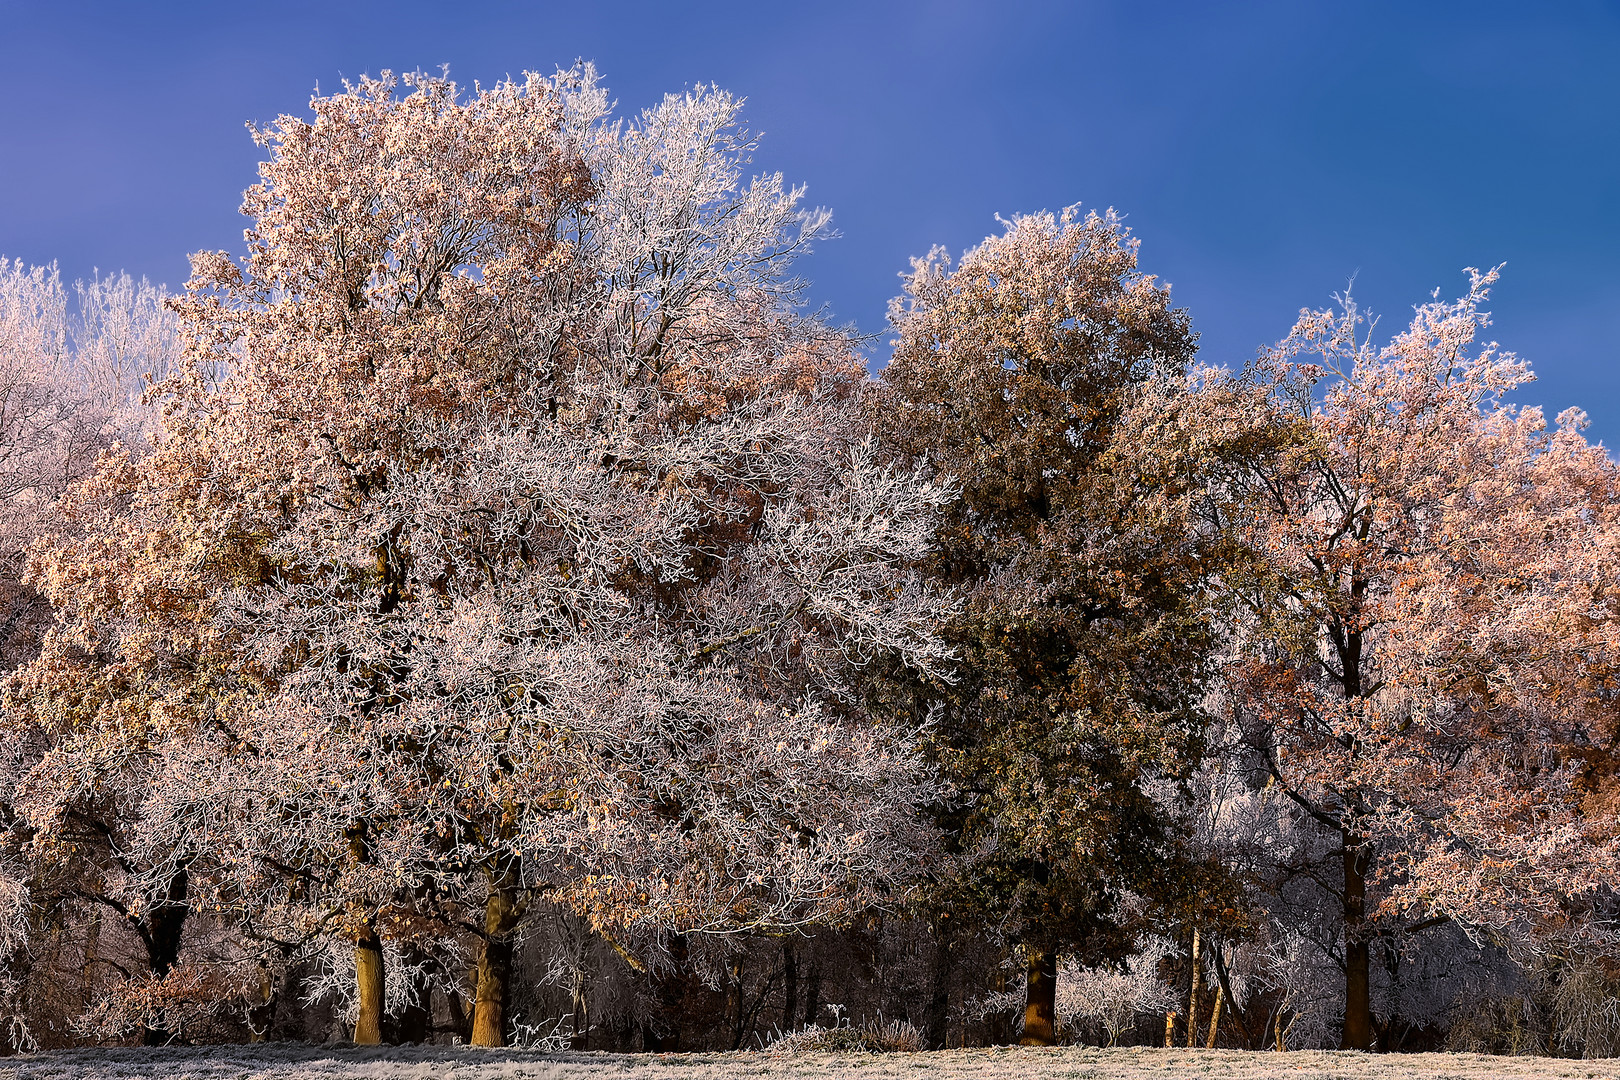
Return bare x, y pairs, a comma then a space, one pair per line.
1264, 152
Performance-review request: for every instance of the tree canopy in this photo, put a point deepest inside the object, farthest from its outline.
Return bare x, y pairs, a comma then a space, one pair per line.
491, 599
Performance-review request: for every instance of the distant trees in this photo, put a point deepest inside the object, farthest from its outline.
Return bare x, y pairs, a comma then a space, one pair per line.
491, 607
71, 378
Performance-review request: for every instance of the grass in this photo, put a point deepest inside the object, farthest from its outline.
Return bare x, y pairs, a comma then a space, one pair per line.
289, 1061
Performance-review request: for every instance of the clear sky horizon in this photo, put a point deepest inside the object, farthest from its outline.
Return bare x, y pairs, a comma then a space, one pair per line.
1264, 154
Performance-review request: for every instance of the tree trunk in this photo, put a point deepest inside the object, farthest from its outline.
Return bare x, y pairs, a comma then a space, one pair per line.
368, 957
92, 940
261, 1016
736, 1005
939, 999
264, 1022
1385, 1036
581, 1014
368, 980
1215, 1017
999, 1024
415, 1022
1195, 985
1357, 1034
1169, 1028
493, 1000
664, 1033
790, 985
812, 991
1357, 956
161, 929
1217, 955
165, 923
459, 1020
1040, 1009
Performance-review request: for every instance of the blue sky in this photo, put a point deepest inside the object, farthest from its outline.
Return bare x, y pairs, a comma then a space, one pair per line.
1263, 152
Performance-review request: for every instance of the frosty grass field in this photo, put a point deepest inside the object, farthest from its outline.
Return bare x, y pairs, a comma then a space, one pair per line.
289, 1061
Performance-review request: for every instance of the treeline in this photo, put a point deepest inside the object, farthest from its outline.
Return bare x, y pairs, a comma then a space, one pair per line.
491, 608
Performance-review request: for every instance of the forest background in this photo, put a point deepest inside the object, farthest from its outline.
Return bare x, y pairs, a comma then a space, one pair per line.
491, 606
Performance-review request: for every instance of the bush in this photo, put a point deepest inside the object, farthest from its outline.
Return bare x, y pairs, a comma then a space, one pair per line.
870, 1038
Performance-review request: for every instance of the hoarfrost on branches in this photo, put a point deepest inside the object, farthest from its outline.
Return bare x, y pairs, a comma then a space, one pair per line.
509, 536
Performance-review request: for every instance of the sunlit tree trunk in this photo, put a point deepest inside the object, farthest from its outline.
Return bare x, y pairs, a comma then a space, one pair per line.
492, 1004
368, 979
1040, 1009
1195, 986
1215, 1017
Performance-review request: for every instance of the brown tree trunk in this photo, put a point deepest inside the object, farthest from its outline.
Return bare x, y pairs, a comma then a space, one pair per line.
92, 940
493, 1000
1040, 1009
262, 1020
1358, 1031
1195, 986
165, 923
260, 1016
368, 980
368, 957
1169, 1028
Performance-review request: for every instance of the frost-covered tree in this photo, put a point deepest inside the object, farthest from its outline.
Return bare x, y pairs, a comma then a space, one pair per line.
1428, 665
72, 372
510, 536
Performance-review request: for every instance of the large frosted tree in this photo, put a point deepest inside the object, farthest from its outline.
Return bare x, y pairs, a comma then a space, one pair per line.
1428, 662
510, 535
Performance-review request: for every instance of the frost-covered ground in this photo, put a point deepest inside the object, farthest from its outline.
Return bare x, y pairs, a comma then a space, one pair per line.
295, 1062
